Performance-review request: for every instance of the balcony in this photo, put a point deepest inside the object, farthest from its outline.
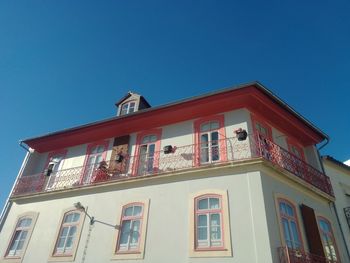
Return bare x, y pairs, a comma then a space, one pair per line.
178, 159
289, 255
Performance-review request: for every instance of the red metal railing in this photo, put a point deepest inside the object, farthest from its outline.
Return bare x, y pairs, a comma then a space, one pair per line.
289, 255
184, 157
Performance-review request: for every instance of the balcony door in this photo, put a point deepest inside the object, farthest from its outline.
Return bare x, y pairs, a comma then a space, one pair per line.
96, 153
54, 167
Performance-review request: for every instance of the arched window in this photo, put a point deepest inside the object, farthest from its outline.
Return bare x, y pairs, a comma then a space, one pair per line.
289, 224
131, 222
131, 236
21, 235
68, 234
147, 152
208, 221
210, 140
328, 239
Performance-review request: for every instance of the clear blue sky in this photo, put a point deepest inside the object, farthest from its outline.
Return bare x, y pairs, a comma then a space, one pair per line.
65, 63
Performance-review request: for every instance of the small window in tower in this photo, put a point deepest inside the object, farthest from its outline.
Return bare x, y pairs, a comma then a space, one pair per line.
128, 107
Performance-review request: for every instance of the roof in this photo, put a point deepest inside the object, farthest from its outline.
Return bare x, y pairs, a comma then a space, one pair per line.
241, 96
336, 162
128, 95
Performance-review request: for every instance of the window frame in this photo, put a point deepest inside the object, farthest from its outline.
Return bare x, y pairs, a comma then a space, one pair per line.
321, 217
257, 120
293, 144
128, 103
140, 251
80, 223
281, 198
156, 132
89, 148
221, 138
48, 179
225, 250
18, 258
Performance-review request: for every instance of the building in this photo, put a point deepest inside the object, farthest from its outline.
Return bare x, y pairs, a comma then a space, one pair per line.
339, 174
230, 176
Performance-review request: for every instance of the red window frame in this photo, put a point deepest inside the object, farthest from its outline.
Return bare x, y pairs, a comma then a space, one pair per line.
132, 218
257, 120
89, 148
208, 212
139, 138
222, 136
289, 218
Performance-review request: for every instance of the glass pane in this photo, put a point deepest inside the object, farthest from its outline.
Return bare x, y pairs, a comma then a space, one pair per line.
153, 138
69, 242
205, 127
25, 222
72, 231
203, 204
214, 138
215, 219
204, 155
76, 217
202, 233
295, 235
137, 210
214, 125
143, 150
124, 236
20, 245
214, 203
60, 243
282, 208
64, 232
128, 211
290, 211
135, 232
215, 155
151, 150
202, 220
15, 240
146, 139
68, 218
286, 233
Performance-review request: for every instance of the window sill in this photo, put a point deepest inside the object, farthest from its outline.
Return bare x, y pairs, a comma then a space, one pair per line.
210, 253
128, 255
61, 257
12, 259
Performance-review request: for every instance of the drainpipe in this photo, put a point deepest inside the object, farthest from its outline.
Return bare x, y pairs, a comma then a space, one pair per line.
8, 203
332, 204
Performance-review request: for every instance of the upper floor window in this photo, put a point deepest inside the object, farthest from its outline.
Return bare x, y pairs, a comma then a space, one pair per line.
295, 149
289, 224
261, 128
148, 147
53, 166
209, 224
131, 236
96, 153
21, 235
68, 234
127, 107
210, 139
328, 239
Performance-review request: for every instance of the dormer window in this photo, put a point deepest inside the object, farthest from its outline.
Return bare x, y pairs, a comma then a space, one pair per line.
127, 108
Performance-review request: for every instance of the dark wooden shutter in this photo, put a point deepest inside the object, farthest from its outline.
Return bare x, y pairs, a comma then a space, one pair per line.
120, 146
311, 230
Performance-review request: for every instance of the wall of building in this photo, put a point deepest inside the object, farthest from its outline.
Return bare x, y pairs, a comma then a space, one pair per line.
167, 237
275, 185
340, 179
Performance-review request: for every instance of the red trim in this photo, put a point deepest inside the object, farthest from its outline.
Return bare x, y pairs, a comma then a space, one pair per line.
140, 136
122, 218
251, 97
222, 136
104, 143
295, 218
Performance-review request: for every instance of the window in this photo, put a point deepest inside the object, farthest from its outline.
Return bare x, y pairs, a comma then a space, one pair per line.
128, 107
68, 234
147, 152
262, 128
210, 140
209, 222
289, 224
96, 153
295, 149
131, 234
21, 235
328, 239
53, 166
